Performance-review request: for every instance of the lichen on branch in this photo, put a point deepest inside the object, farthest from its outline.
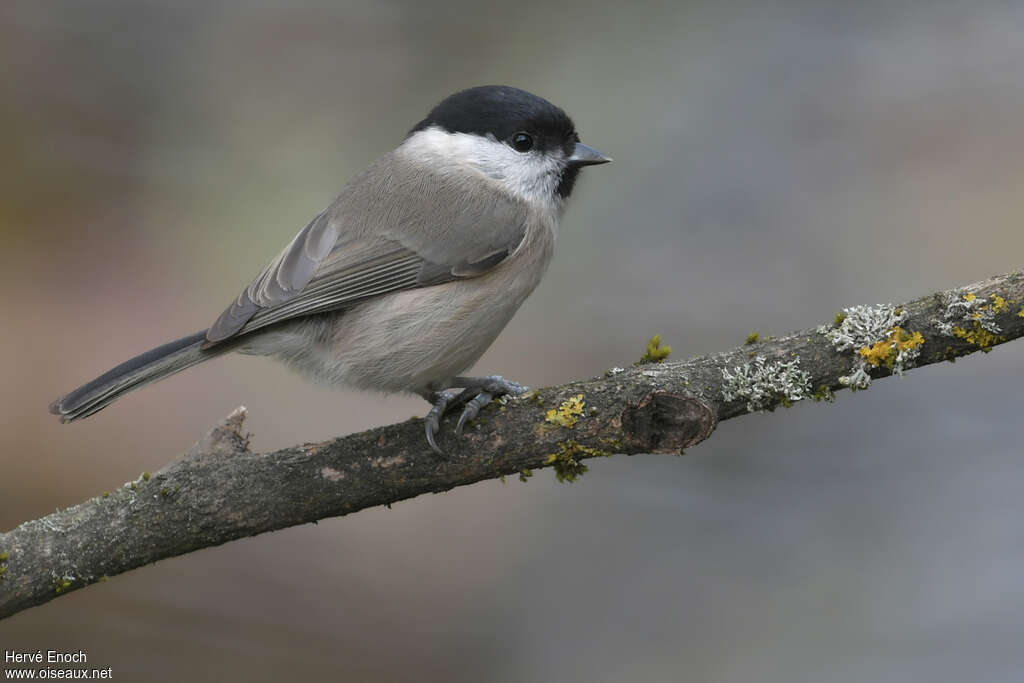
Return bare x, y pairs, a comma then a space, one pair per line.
220, 490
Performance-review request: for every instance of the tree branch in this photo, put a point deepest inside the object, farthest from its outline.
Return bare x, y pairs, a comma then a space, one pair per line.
220, 490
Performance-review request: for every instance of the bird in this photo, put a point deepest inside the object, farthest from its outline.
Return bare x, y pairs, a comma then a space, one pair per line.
410, 274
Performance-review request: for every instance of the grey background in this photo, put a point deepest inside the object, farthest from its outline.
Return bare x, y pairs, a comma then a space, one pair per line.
774, 161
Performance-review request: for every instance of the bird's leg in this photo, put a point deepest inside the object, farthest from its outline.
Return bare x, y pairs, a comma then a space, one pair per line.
476, 393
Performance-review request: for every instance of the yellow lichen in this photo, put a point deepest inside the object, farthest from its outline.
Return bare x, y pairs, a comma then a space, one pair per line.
566, 461
1020, 313
977, 319
567, 414
978, 336
886, 351
904, 341
878, 353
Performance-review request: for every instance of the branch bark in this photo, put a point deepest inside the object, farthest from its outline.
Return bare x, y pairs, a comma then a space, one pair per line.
220, 490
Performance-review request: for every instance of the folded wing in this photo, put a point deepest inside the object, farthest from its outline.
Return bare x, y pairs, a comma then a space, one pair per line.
393, 228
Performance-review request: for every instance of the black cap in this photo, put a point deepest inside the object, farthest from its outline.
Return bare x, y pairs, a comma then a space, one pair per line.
502, 111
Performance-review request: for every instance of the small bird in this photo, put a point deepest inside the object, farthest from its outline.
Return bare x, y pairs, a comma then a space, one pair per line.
405, 280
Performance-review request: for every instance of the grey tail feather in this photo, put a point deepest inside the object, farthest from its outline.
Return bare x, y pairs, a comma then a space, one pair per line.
149, 367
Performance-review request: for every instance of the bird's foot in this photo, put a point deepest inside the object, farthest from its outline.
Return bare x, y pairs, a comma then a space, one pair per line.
480, 391
476, 393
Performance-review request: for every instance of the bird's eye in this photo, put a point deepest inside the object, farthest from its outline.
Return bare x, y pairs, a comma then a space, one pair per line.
522, 142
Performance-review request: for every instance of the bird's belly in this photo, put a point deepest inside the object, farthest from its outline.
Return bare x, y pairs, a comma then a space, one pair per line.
413, 339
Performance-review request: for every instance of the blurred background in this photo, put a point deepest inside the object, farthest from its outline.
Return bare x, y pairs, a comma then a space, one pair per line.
774, 162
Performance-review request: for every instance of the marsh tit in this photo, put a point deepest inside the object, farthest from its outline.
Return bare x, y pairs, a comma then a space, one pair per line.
403, 282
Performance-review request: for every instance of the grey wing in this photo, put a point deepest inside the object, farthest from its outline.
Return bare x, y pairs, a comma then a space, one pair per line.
281, 280
387, 231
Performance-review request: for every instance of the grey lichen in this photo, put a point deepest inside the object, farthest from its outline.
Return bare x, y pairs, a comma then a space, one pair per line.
972, 318
858, 377
763, 383
962, 307
873, 333
863, 326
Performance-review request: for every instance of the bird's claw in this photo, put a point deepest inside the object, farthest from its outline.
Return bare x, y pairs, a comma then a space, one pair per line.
432, 421
477, 392
473, 407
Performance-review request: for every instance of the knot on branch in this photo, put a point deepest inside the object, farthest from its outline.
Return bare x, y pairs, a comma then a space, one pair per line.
666, 422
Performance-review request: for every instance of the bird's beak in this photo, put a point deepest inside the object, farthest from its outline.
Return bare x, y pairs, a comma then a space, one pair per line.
583, 155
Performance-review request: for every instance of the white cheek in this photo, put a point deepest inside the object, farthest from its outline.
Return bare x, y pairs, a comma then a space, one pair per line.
532, 176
